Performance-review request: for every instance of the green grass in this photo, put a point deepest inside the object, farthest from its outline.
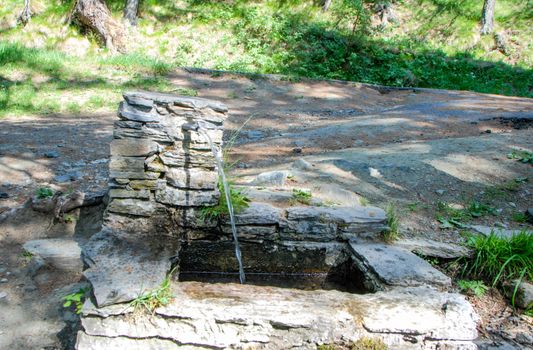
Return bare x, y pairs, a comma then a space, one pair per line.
522, 156
393, 222
44, 81
498, 259
450, 217
301, 196
476, 288
155, 298
440, 49
219, 211
44, 192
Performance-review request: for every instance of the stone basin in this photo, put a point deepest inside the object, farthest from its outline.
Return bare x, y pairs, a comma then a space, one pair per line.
233, 316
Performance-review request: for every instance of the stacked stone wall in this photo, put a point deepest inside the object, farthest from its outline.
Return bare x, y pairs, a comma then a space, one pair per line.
159, 161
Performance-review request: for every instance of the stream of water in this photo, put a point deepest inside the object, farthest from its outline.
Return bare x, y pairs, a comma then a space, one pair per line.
218, 157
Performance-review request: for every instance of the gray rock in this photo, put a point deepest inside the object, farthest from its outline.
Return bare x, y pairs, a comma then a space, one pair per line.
179, 197
121, 193
3, 280
524, 294
182, 101
4, 195
192, 178
433, 248
258, 214
123, 266
126, 163
133, 147
62, 254
266, 195
440, 192
139, 101
500, 232
302, 164
236, 316
271, 178
529, 215
195, 158
88, 342
253, 233
146, 132
71, 176
3, 295
129, 112
340, 215
396, 266
52, 154
305, 230
132, 206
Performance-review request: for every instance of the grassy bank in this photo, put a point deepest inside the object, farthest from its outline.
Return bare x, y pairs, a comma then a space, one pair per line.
49, 67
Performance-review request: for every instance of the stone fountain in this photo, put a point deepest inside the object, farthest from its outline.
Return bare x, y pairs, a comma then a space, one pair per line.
345, 283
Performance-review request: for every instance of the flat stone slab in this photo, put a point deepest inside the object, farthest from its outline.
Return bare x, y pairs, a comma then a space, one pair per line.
223, 316
396, 266
62, 254
146, 99
500, 232
123, 266
433, 248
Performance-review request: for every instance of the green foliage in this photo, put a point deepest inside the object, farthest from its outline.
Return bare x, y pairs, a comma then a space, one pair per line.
153, 299
522, 156
500, 259
505, 189
76, 299
44, 192
187, 91
519, 217
393, 222
477, 288
301, 196
237, 198
450, 217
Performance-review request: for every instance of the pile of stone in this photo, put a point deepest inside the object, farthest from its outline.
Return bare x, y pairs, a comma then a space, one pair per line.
158, 157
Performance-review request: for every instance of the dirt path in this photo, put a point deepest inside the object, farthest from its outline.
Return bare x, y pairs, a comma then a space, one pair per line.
413, 148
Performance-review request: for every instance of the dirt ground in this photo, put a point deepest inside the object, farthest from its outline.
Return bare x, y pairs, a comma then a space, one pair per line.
413, 148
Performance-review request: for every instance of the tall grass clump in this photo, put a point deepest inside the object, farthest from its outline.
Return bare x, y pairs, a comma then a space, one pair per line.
501, 259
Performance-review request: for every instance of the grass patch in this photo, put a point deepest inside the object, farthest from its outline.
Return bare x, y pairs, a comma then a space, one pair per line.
476, 288
450, 217
393, 222
301, 196
522, 156
498, 259
153, 299
44, 192
220, 211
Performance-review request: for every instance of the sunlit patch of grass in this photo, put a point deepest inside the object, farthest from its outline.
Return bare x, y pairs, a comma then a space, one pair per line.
499, 258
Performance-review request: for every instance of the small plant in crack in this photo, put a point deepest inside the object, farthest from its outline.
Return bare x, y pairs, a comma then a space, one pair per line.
392, 233
155, 298
238, 200
76, 299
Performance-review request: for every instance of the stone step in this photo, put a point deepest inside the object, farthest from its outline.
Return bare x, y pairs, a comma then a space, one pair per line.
394, 266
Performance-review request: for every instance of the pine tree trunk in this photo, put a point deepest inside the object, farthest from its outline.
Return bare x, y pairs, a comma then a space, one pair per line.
25, 15
327, 4
487, 17
130, 11
95, 15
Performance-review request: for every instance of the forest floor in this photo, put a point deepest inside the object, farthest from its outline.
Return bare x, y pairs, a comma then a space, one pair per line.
422, 150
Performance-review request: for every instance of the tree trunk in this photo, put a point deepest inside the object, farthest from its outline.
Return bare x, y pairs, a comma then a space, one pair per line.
95, 15
130, 11
487, 17
327, 4
25, 15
